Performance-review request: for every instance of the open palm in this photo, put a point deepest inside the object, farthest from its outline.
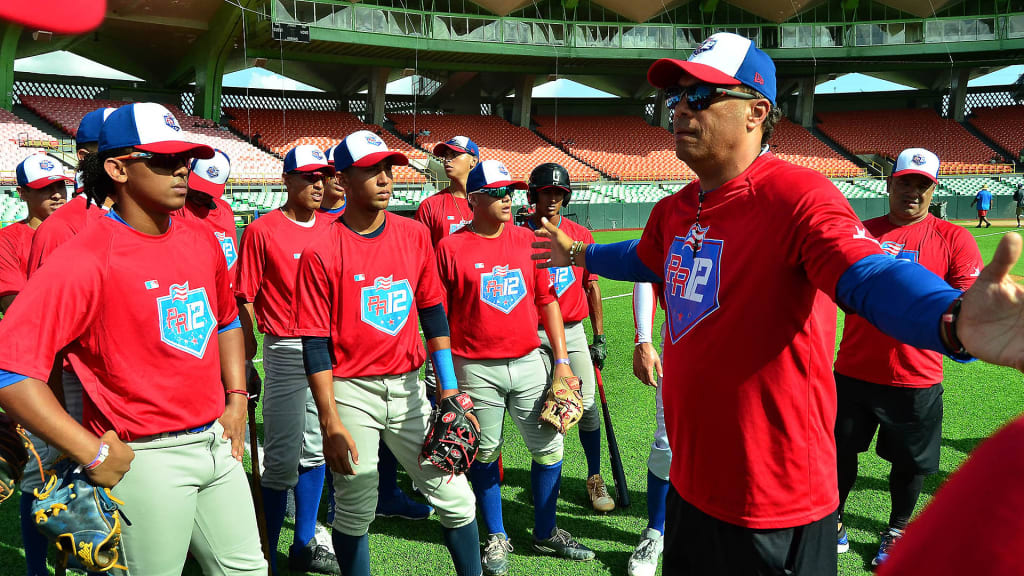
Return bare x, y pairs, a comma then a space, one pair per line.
991, 323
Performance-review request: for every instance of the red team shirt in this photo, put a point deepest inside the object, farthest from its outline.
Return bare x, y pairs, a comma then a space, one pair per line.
750, 400
443, 214
493, 291
221, 220
66, 222
141, 329
947, 250
570, 280
364, 294
271, 247
15, 243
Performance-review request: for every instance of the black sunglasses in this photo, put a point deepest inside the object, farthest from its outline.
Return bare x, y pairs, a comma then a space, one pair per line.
162, 162
700, 96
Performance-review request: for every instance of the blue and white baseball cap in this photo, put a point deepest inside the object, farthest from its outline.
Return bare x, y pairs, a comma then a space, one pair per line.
89, 128
460, 144
725, 59
364, 148
306, 158
39, 171
491, 174
210, 175
917, 161
149, 127
330, 154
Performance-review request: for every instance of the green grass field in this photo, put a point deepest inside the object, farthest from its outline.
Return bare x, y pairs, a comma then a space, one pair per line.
979, 399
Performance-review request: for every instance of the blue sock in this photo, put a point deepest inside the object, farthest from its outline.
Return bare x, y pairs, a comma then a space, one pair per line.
329, 479
464, 546
34, 542
387, 468
353, 553
274, 504
545, 482
657, 492
488, 495
591, 441
307, 503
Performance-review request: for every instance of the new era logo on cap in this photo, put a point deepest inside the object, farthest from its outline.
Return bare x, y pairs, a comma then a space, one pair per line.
917, 161
364, 148
306, 158
460, 144
724, 59
210, 175
491, 174
38, 171
149, 127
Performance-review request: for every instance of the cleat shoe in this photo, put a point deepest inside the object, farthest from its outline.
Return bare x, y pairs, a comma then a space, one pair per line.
322, 536
644, 560
598, 493
844, 542
889, 537
313, 559
495, 557
562, 545
400, 505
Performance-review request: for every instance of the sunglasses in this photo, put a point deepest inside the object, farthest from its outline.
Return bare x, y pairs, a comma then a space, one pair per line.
497, 192
700, 96
311, 177
163, 162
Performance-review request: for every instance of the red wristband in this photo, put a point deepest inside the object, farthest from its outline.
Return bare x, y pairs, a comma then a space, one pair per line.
242, 392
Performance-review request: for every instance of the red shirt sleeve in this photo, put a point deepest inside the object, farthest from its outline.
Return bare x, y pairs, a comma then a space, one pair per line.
965, 262
544, 290
45, 241
12, 268
312, 316
251, 262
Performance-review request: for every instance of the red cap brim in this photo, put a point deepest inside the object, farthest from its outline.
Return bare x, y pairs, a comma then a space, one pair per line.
517, 184
440, 147
927, 175
667, 71
397, 159
44, 182
200, 184
57, 16
201, 151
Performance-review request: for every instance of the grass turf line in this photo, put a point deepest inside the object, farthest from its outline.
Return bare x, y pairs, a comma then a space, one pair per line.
979, 398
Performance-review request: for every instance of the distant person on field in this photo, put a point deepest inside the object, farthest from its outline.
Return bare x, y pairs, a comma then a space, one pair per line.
984, 200
889, 386
1018, 199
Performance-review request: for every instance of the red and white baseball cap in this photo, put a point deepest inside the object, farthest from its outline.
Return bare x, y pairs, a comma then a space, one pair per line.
39, 171
917, 161
306, 158
149, 127
364, 148
57, 16
725, 59
210, 175
491, 174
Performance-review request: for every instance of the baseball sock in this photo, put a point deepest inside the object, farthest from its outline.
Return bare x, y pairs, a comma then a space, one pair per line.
488, 494
464, 546
387, 470
545, 481
32, 539
308, 491
591, 441
904, 489
657, 492
274, 503
353, 553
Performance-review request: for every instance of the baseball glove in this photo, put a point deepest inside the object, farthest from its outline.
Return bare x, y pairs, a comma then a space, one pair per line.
81, 518
563, 407
13, 456
452, 440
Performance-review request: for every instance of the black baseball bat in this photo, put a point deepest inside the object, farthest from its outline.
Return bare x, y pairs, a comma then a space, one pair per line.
618, 474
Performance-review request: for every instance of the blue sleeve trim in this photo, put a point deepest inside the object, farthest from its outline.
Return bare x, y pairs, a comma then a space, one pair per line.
619, 261
8, 378
444, 367
236, 323
316, 354
900, 298
434, 322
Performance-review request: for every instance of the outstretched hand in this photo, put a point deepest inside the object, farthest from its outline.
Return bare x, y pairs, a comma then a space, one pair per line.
554, 249
991, 323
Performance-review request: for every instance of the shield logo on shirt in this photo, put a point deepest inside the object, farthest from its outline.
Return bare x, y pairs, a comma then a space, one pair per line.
502, 289
227, 244
691, 282
561, 278
896, 250
453, 227
186, 322
385, 305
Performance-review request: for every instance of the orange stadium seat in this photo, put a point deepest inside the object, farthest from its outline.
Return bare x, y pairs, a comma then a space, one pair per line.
518, 148
1003, 124
795, 144
888, 132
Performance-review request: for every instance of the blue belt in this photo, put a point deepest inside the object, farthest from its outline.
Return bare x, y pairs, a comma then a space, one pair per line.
196, 430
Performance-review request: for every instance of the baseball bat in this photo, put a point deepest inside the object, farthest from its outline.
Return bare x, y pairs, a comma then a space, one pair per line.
618, 474
255, 482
